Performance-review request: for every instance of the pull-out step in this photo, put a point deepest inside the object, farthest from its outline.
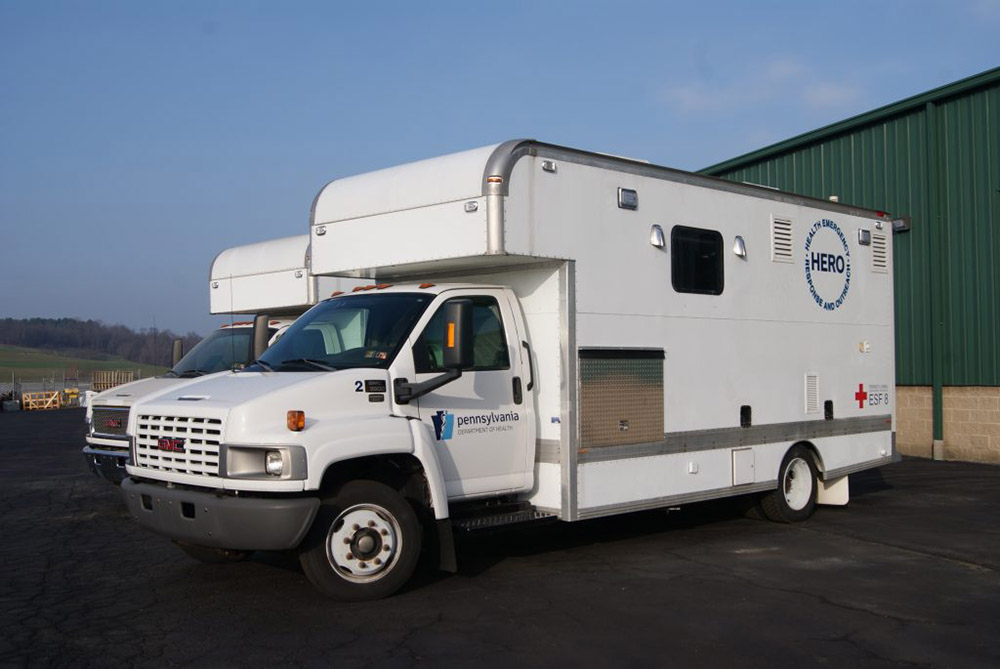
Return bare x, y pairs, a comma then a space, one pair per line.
491, 516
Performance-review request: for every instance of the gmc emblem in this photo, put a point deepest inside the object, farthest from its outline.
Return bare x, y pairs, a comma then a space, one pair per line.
113, 423
172, 444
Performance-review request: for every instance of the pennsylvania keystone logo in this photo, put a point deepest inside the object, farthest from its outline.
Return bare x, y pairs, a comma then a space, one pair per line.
444, 425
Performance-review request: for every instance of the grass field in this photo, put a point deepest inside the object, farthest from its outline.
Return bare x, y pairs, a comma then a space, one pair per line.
30, 365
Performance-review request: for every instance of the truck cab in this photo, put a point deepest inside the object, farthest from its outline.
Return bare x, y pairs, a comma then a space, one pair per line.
356, 415
229, 347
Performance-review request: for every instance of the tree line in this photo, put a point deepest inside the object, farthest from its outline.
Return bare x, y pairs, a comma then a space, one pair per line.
93, 339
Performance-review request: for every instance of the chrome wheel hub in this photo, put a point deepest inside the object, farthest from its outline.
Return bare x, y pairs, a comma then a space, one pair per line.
363, 542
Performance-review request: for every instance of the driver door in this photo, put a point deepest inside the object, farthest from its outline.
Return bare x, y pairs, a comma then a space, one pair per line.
481, 421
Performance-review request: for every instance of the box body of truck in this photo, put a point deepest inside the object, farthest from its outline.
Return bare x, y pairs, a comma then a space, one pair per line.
662, 377
643, 337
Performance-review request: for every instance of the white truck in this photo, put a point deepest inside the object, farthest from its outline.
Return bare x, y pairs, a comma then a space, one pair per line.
549, 333
268, 277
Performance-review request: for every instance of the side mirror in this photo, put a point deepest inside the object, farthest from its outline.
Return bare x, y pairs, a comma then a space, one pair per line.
457, 347
260, 336
177, 353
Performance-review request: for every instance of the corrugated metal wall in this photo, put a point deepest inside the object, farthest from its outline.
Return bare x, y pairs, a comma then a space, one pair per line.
938, 163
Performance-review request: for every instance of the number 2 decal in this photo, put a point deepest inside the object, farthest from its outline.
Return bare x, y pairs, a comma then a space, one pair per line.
358, 387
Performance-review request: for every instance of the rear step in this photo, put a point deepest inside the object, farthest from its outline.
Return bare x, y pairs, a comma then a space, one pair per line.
487, 517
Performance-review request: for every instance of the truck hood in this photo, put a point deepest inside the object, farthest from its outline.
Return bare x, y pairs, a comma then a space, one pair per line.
256, 403
128, 393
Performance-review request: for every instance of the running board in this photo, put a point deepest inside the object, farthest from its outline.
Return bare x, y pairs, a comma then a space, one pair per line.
492, 520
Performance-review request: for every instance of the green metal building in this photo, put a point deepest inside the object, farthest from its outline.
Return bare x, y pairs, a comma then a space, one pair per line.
934, 161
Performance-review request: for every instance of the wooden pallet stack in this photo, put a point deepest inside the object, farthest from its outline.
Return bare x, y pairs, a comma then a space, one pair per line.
109, 378
46, 399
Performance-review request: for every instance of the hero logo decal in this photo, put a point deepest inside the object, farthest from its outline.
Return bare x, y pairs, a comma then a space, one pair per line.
171, 444
827, 264
444, 424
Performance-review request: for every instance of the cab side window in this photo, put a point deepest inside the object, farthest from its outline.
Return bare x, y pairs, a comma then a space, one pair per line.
490, 343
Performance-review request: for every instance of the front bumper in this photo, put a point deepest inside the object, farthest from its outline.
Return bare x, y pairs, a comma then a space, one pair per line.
220, 521
108, 465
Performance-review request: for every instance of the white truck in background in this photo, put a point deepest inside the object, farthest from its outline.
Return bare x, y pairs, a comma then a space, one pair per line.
269, 277
549, 333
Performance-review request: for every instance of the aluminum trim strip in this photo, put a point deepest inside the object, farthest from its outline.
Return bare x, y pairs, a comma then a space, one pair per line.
735, 437
671, 500
569, 434
547, 451
854, 469
506, 155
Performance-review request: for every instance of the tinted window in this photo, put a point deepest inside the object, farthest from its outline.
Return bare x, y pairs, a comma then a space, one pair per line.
346, 332
489, 342
696, 261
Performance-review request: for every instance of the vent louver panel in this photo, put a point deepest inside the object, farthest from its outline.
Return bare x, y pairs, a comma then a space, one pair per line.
812, 392
880, 253
781, 240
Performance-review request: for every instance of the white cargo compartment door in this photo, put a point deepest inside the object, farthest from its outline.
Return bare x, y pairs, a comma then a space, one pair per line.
743, 470
480, 428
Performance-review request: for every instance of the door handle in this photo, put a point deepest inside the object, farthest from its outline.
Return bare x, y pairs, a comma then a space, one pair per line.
518, 398
531, 367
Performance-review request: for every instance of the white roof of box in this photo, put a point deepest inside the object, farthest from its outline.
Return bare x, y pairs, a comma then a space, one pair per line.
275, 255
457, 176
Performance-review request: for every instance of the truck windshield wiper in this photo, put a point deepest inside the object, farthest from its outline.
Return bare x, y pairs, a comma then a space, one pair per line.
191, 373
309, 361
267, 366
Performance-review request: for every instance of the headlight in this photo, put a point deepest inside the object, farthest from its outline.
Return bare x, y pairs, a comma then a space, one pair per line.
274, 464
263, 463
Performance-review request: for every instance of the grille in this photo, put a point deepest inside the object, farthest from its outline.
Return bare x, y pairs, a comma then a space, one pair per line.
880, 253
201, 444
781, 240
110, 422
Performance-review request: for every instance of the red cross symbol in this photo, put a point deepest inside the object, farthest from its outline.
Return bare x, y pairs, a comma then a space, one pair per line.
861, 396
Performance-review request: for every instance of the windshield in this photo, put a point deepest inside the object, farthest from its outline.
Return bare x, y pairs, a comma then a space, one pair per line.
221, 350
356, 331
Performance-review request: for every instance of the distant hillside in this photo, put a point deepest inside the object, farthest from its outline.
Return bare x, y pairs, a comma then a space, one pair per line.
92, 340
31, 365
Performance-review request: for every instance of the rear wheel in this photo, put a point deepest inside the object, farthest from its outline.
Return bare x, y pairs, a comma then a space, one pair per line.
795, 498
364, 543
212, 555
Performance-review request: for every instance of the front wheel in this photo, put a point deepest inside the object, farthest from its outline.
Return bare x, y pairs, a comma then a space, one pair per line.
795, 498
364, 543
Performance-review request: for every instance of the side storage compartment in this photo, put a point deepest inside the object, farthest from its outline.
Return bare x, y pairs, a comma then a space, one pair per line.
621, 397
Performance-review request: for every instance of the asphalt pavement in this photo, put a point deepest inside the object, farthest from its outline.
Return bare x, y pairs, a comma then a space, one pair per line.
907, 574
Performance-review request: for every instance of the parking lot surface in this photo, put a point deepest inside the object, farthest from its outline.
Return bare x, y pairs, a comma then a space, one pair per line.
906, 574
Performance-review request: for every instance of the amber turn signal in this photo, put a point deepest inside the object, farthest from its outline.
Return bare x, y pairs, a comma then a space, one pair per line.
296, 421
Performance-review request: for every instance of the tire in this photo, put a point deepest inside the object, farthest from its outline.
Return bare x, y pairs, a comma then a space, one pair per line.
212, 555
795, 498
364, 543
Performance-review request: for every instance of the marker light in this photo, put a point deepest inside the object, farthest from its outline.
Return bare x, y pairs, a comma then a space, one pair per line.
451, 335
296, 421
273, 463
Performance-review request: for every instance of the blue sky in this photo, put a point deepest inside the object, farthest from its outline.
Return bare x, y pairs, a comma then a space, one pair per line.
139, 139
